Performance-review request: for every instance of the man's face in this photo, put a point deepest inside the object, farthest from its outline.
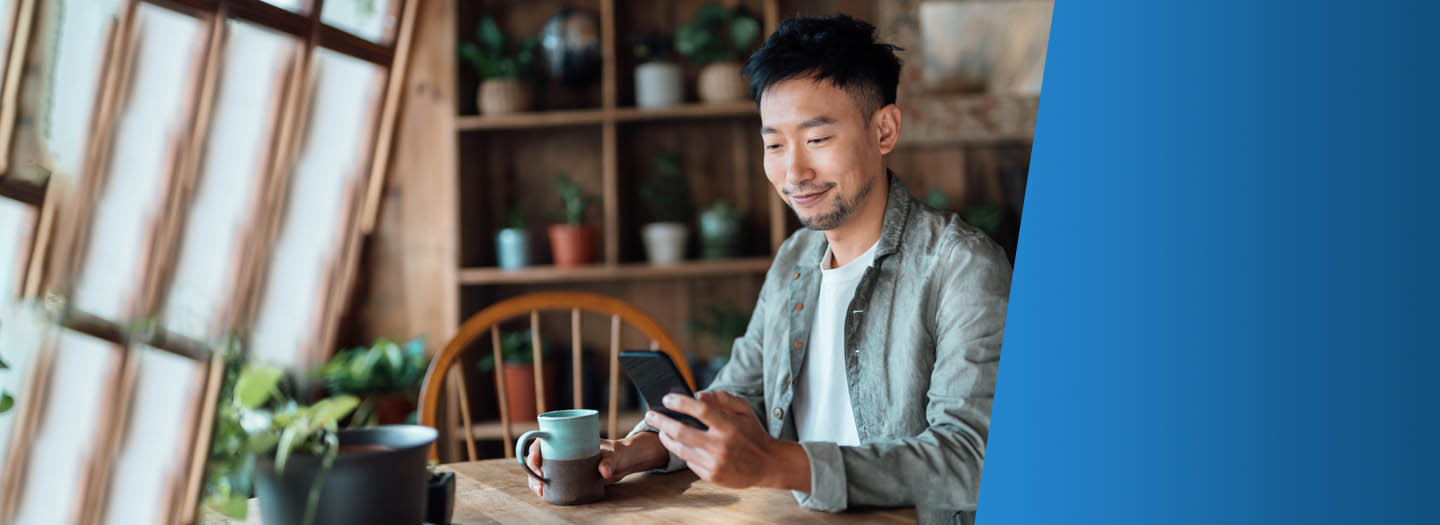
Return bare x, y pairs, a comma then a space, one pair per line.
820, 154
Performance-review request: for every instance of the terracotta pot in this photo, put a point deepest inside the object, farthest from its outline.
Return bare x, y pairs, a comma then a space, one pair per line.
520, 389
393, 409
721, 82
502, 95
572, 245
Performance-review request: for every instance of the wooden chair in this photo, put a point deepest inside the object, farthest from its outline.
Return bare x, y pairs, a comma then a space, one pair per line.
442, 366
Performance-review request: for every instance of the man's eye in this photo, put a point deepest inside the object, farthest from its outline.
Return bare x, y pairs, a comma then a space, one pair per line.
819, 140
772, 147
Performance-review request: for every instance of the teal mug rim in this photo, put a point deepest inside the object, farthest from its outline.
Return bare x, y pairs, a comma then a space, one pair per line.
571, 413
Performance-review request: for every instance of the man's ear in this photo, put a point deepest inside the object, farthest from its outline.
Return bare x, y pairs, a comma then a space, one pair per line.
885, 124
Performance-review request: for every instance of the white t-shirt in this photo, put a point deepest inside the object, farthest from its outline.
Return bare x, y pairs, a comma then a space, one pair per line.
822, 392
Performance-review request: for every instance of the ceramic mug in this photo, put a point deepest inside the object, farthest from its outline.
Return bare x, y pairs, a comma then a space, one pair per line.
569, 456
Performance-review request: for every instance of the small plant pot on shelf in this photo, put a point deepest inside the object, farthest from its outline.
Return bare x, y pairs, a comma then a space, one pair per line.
665, 242
720, 82
378, 477
720, 231
659, 84
501, 96
572, 245
512, 249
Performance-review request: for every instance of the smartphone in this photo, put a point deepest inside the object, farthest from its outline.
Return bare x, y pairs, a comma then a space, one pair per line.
655, 375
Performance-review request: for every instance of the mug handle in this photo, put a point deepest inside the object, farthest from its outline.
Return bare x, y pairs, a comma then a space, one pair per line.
523, 444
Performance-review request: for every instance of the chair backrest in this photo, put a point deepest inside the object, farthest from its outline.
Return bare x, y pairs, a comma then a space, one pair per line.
488, 320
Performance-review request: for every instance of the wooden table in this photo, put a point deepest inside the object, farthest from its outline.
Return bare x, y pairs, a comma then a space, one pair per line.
495, 491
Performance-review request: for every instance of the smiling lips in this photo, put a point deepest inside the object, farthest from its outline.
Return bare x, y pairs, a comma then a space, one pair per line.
807, 199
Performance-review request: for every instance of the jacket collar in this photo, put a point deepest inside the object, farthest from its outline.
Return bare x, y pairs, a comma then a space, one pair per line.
897, 214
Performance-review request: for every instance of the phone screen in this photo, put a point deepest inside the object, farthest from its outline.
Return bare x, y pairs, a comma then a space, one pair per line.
655, 375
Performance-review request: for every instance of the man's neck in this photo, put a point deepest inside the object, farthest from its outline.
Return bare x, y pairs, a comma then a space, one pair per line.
862, 231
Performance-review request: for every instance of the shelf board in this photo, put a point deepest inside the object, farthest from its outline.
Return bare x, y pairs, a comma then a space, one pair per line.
492, 429
743, 108
586, 117
533, 119
604, 272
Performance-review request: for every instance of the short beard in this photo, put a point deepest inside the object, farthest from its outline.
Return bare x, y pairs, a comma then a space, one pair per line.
842, 211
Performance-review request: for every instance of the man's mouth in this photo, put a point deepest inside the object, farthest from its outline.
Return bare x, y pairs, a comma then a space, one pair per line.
806, 199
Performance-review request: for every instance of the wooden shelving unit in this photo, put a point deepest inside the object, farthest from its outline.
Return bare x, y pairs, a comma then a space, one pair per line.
609, 119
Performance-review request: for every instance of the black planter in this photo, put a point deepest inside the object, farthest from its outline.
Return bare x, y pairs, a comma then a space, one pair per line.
379, 487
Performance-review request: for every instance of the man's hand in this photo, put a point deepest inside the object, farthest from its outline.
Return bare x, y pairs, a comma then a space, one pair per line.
736, 452
618, 458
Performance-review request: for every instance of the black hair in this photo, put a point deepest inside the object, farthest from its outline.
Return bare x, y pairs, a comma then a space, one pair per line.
836, 48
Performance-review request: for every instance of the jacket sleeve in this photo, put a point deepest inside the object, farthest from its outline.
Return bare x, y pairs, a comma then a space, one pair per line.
940, 467
744, 374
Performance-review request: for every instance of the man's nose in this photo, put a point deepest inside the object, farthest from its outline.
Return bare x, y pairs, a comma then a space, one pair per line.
797, 169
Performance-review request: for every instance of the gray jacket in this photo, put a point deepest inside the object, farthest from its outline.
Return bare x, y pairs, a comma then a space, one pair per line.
922, 345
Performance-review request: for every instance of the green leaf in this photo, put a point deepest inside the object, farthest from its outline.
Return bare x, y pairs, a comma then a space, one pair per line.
262, 443
235, 506
293, 435
743, 32
490, 36
256, 385
6, 402
330, 411
393, 355
471, 53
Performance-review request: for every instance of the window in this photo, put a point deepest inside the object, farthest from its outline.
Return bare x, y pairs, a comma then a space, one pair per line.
214, 161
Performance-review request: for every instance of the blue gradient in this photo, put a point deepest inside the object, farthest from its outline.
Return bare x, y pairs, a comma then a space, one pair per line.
1224, 304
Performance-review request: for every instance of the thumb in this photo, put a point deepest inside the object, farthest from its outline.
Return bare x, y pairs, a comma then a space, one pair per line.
607, 466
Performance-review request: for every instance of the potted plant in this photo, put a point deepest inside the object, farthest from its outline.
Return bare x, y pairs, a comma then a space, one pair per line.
667, 194
715, 38
518, 367
303, 468
512, 243
6, 400
571, 242
659, 81
936, 198
501, 66
720, 230
385, 377
723, 324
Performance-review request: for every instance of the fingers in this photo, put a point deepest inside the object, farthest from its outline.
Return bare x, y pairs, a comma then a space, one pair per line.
672, 428
607, 468
532, 459
696, 408
692, 455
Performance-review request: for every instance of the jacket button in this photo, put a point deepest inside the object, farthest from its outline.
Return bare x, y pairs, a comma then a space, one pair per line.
778, 413
799, 305
798, 344
797, 275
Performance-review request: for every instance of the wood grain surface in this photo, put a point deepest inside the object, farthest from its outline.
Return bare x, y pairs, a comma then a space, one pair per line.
495, 491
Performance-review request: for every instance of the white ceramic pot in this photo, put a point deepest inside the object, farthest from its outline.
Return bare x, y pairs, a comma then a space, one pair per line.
665, 241
721, 82
659, 84
500, 96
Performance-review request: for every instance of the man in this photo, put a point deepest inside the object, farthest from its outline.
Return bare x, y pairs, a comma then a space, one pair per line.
867, 372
